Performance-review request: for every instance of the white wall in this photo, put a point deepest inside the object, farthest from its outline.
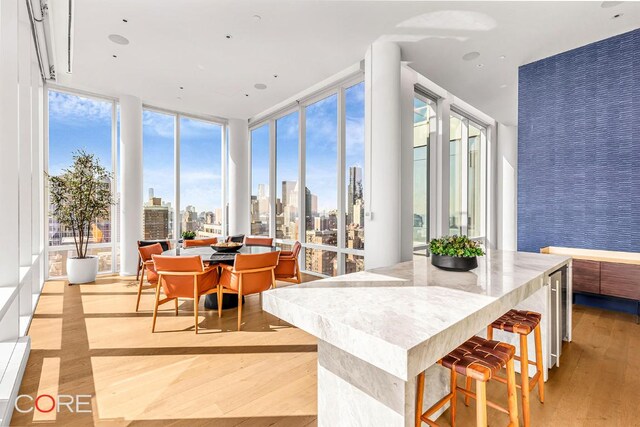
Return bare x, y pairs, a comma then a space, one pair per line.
21, 175
507, 187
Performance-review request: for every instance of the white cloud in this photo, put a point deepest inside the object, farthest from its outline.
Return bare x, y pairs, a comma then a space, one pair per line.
76, 110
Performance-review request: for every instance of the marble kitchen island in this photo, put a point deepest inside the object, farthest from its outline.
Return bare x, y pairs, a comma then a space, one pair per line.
378, 329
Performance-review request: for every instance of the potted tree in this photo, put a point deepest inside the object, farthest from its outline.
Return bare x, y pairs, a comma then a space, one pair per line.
455, 253
79, 197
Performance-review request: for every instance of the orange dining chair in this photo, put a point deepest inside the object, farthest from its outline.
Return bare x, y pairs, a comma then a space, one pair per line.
183, 277
288, 269
258, 241
146, 253
166, 245
199, 242
250, 274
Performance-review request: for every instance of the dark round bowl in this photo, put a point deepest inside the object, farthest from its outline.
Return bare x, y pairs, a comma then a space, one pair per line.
226, 248
453, 263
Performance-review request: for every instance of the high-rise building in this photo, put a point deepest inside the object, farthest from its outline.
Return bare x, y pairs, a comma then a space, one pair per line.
155, 220
150, 193
354, 194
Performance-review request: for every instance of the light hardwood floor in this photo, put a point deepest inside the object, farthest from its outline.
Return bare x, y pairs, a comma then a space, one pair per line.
88, 340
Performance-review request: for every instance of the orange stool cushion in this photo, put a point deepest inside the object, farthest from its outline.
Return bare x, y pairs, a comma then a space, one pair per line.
518, 321
479, 358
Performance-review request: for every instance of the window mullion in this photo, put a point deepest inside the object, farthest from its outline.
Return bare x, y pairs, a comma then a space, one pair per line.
464, 178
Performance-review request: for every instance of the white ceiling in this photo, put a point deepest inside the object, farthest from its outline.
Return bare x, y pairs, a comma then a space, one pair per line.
182, 43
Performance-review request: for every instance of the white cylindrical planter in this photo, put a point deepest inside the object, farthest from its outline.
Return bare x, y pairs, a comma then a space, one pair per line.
131, 176
383, 109
82, 270
239, 177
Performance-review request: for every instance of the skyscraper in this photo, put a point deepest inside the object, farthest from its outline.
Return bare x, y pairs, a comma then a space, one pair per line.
354, 194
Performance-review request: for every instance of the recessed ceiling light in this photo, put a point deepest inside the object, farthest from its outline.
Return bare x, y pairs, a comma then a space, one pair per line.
181, 87
502, 56
125, 21
228, 36
480, 65
256, 18
275, 76
260, 86
617, 15
118, 39
608, 4
470, 56
246, 94
115, 56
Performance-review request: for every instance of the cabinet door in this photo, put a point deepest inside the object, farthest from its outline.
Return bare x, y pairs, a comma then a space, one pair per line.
586, 276
620, 280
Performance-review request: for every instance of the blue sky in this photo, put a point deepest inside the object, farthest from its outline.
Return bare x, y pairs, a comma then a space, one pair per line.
78, 122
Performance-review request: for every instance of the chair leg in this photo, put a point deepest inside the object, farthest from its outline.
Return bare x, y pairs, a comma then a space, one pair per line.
140, 289
511, 394
219, 301
468, 388
419, 397
481, 404
176, 301
239, 310
454, 391
155, 307
524, 372
299, 279
196, 302
538, 343
139, 266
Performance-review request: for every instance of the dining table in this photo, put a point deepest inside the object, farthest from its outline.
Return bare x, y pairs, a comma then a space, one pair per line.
211, 256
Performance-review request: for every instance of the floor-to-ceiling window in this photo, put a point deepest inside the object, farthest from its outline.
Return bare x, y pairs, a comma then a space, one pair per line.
287, 225
260, 181
158, 172
77, 122
322, 204
198, 205
467, 189
322, 182
354, 173
424, 128
201, 177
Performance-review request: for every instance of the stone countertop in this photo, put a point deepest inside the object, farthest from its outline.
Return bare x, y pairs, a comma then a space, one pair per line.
403, 318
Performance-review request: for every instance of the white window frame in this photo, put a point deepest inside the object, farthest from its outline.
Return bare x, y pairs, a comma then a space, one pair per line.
340, 249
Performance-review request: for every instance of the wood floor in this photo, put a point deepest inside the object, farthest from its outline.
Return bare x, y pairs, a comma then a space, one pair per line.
88, 340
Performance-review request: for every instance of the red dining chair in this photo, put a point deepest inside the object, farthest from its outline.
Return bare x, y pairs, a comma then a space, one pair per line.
258, 241
288, 269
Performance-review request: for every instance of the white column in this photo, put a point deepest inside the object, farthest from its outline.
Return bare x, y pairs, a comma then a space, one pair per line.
9, 135
239, 177
24, 112
382, 155
506, 188
131, 176
406, 186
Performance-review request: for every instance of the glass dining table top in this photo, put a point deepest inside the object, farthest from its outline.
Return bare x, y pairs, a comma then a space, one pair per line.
208, 254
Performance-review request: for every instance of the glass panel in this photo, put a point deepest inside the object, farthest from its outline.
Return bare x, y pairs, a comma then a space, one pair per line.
321, 194
474, 198
284, 246
423, 124
158, 143
321, 261
287, 177
455, 176
78, 123
200, 177
354, 151
260, 181
354, 263
58, 260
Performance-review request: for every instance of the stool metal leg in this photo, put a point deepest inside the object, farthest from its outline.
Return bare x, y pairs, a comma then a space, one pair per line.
524, 372
538, 339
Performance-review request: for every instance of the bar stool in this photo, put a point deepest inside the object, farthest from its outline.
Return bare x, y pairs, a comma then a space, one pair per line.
477, 359
522, 322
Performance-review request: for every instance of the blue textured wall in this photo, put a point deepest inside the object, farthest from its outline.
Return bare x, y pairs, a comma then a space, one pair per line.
579, 148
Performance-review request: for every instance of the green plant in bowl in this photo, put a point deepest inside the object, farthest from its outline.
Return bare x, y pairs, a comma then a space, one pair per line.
455, 246
188, 235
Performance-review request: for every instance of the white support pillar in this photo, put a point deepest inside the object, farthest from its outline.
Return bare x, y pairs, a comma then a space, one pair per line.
9, 135
131, 175
239, 166
24, 150
382, 155
407, 173
507, 187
